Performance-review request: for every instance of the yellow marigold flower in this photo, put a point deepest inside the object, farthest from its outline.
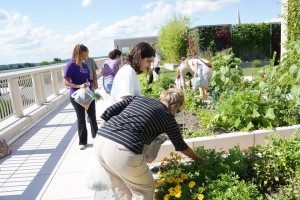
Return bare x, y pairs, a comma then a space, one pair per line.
177, 188
171, 180
171, 191
184, 176
178, 156
200, 197
165, 159
163, 181
192, 184
179, 180
166, 197
178, 195
157, 184
172, 154
159, 173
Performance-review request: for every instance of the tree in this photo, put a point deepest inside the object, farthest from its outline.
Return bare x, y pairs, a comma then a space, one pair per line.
173, 39
56, 60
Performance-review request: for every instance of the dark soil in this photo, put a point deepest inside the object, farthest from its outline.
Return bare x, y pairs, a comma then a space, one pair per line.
187, 120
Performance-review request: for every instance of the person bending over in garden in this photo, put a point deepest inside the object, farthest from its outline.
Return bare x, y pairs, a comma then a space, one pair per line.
205, 73
130, 124
183, 70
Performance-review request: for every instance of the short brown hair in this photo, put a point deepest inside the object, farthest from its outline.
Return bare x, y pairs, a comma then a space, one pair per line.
173, 96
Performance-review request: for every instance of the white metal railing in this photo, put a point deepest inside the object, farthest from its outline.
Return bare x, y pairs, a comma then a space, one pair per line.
21, 89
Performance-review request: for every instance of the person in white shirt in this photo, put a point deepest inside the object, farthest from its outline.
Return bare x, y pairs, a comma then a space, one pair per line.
204, 72
126, 83
155, 68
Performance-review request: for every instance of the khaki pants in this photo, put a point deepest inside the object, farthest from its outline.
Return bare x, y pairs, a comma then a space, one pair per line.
130, 176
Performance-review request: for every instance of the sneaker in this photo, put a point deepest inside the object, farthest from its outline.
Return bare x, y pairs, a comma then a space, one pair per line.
82, 146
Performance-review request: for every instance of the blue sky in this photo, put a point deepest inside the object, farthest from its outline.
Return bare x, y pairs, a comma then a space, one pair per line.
40, 30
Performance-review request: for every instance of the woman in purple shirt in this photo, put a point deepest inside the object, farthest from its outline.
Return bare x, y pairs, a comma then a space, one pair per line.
110, 69
77, 75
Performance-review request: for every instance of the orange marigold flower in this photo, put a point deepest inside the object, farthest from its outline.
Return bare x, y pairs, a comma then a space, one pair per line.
179, 180
184, 176
171, 180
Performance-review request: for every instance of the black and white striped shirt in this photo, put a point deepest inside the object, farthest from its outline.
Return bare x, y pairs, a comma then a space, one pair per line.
138, 120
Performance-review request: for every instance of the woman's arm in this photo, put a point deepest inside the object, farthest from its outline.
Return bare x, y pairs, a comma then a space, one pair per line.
68, 83
192, 154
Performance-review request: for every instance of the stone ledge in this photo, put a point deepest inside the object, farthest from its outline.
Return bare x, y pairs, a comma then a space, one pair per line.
224, 142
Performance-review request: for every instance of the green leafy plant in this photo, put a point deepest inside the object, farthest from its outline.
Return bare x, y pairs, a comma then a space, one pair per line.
277, 163
229, 187
270, 172
173, 39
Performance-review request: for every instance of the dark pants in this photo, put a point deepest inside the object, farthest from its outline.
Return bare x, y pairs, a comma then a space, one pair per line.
81, 123
157, 70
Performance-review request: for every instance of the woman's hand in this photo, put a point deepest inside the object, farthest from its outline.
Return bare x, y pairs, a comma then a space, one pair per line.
85, 85
192, 154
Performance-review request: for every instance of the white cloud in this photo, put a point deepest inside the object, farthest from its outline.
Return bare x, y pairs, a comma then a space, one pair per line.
86, 3
25, 43
190, 7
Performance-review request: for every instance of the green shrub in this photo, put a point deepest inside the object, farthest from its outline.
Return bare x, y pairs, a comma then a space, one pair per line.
229, 187
173, 39
256, 64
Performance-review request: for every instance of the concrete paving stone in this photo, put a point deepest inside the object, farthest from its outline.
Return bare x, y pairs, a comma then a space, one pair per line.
67, 186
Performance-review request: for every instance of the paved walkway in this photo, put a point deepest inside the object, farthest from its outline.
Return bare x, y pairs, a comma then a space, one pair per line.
46, 162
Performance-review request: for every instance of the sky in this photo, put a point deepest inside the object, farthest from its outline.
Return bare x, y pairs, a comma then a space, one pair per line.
40, 30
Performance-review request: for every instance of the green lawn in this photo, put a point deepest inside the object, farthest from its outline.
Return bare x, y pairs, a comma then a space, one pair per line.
250, 71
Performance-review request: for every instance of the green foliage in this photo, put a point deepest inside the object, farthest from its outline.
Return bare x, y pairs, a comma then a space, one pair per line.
219, 35
193, 100
154, 89
196, 39
5, 108
270, 172
252, 109
293, 19
237, 162
252, 41
256, 64
276, 164
224, 78
173, 39
229, 187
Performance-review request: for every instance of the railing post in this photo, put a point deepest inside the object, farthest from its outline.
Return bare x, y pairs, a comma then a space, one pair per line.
39, 89
54, 82
15, 95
